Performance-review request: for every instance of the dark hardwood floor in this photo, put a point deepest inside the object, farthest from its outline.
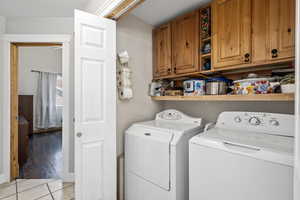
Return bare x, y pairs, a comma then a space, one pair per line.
45, 158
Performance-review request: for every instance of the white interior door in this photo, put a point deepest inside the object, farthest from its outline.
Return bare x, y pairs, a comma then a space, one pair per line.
95, 107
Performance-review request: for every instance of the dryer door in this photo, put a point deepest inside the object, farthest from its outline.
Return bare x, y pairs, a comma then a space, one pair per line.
148, 155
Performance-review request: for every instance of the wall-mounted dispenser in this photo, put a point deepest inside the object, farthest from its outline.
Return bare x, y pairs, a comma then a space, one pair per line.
124, 77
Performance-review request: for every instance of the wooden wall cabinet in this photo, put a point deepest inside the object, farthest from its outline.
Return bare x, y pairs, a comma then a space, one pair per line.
231, 32
162, 51
273, 30
252, 32
281, 29
245, 33
185, 43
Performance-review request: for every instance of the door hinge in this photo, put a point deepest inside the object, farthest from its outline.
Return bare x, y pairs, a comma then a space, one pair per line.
73, 119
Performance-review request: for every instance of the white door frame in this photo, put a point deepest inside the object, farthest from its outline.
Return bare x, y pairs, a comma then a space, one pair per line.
67, 119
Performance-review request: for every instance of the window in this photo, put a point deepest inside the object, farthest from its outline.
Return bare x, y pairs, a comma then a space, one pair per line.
59, 91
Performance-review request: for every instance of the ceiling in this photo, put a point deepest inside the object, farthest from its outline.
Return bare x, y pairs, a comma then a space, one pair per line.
40, 8
156, 12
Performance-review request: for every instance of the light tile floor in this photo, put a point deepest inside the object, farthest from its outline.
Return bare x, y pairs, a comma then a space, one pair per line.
37, 189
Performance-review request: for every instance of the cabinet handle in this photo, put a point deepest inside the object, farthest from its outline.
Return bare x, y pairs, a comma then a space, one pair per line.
187, 45
175, 70
247, 57
169, 70
289, 30
274, 53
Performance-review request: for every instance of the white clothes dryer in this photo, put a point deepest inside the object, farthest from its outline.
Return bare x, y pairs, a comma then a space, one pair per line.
156, 157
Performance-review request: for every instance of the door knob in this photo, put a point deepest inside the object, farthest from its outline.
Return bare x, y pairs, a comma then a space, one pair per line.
79, 134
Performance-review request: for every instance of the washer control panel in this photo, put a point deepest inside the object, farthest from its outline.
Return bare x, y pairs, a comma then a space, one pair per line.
255, 121
272, 123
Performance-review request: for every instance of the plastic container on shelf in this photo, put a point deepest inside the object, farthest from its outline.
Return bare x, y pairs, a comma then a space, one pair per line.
253, 86
194, 87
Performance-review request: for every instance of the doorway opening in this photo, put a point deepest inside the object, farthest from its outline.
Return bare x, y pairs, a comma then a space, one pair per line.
36, 111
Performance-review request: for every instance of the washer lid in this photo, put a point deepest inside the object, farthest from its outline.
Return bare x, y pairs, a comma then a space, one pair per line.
273, 148
173, 120
163, 127
178, 127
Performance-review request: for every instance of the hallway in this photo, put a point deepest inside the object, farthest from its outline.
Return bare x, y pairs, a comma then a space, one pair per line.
45, 159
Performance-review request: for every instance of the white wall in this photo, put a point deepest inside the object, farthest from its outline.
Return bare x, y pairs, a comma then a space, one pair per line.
31, 25
2, 24
46, 59
209, 111
135, 36
297, 139
23, 25
2, 30
93, 5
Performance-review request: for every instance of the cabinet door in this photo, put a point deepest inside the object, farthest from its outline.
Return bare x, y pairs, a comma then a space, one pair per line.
231, 32
281, 27
260, 37
162, 51
185, 43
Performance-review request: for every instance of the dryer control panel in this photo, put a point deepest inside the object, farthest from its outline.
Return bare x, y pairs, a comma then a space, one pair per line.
270, 123
175, 115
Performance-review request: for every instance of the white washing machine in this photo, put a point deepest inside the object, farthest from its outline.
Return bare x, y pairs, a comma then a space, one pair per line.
156, 157
246, 156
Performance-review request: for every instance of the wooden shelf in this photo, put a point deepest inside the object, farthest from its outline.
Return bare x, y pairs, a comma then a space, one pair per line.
284, 63
206, 55
257, 97
206, 39
181, 77
207, 72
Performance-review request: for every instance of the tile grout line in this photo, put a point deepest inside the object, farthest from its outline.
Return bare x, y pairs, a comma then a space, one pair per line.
50, 191
17, 196
9, 195
5, 197
35, 185
63, 187
42, 197
48, 187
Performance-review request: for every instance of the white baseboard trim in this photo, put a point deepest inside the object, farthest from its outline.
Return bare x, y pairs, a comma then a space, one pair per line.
69, 177
3, 178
